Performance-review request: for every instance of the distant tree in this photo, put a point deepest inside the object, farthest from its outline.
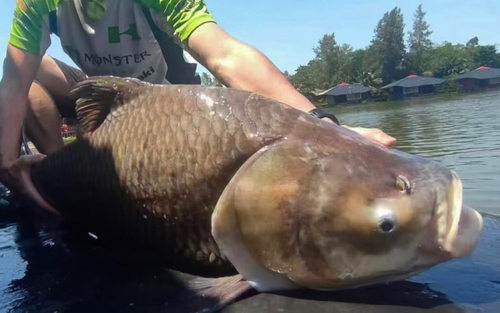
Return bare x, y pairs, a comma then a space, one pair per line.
356, 66
371, 60
307, 78
385, 59
389, 45
449, 60
206, 79
419, 43
486, 56
370, 79
483, 55
209, 80
473, 42
333, 61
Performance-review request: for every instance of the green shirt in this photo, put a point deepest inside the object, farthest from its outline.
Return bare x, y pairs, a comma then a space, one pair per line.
120, 43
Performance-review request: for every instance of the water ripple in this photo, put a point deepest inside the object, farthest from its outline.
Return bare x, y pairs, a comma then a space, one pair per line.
461, 131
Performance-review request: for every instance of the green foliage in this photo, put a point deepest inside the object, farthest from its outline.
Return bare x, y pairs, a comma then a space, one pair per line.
333, 61
371, 61
390, 46
486, 56
386, 58
356, 65
67, 140
381, 95
448, 59
369, 79
450, 85
209, 80
307, 78
332, 65
419, 44
482, 55
472, 42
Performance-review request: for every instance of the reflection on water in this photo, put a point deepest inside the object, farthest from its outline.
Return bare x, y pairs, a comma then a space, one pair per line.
462, 131
70, 272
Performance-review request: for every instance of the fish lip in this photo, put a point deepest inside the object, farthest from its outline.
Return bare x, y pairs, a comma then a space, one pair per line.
469, 232
454, 212
459, 227
445, 222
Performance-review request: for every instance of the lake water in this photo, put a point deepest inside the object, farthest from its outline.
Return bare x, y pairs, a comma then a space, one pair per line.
461, 130
68, 272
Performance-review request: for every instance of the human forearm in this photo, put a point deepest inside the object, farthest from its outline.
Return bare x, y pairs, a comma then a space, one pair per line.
246, 68
12, 112
238, 65
19, 72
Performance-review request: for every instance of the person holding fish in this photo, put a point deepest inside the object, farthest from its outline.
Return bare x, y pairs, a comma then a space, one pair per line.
143, 39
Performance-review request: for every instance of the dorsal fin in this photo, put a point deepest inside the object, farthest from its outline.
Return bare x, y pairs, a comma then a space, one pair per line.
97, 96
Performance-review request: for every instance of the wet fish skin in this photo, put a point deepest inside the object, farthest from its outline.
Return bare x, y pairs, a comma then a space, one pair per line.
154, 168
223, 181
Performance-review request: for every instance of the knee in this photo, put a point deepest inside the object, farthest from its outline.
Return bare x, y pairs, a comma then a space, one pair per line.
51, 77
39, 98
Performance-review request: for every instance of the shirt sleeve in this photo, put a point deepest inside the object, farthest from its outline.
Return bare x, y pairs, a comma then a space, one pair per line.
30, 30
183, 15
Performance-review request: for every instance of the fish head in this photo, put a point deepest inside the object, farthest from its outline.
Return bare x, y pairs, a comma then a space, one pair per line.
379, 216
330, 217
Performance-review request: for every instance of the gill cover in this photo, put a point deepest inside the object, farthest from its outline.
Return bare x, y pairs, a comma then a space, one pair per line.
251, 222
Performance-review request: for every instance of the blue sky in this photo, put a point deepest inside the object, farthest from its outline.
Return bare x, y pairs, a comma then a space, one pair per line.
287, 30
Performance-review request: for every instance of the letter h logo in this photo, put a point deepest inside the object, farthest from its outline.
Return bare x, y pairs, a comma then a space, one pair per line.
114, 34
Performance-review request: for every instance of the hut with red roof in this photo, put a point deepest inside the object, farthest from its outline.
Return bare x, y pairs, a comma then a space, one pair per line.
345, 93
481, 77
414, 86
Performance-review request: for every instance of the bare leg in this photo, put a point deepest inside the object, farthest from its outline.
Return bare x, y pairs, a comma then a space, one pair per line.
43, 122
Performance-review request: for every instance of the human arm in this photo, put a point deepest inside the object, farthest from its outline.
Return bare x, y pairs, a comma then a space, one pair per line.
238, 65
232, 62
19, 70
28, 41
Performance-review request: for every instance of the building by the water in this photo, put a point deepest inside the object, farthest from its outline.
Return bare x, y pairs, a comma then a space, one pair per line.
345, 93
414, 86
480, 78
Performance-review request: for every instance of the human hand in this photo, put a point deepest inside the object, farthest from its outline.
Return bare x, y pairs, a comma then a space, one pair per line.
374, 134
16, 177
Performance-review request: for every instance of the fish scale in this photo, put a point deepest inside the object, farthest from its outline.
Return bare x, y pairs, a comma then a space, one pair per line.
167, 150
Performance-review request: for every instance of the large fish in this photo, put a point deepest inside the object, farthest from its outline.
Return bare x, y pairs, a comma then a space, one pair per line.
225, 182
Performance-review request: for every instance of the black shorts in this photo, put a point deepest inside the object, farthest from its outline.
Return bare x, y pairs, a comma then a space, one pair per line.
65, 105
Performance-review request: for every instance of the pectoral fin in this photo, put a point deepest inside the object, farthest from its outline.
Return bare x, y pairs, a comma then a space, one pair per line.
221, 291
222, 287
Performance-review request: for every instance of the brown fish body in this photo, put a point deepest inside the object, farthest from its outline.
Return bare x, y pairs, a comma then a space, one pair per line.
156, 166
221, 181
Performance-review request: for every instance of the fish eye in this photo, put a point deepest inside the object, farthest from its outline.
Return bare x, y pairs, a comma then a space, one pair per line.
387, 225
403, 185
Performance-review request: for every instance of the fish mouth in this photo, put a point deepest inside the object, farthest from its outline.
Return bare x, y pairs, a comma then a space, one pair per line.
459, 226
